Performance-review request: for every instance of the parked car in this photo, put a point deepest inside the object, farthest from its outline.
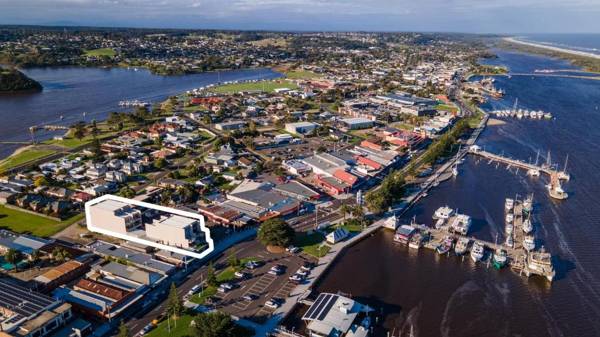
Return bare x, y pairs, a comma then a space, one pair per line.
273, 303
253, 264
241, 274
292, 249
296, 278
194, 289
250, 297
302, 272
147, 329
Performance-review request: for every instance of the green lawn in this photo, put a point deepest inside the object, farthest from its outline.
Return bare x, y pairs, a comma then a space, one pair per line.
101, 52
446, 107
301, 74
201, 297
23, 157
310, 243
22, 222
267, 86
179, 328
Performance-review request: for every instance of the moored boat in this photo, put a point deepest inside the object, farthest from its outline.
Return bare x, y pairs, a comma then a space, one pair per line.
477, 251
500, 258
445, 246
529, 243
461, 246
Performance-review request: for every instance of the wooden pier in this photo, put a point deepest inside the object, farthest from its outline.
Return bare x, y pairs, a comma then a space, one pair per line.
547, 169
519, 260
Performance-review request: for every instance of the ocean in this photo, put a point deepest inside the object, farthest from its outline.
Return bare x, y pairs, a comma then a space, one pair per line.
589, 43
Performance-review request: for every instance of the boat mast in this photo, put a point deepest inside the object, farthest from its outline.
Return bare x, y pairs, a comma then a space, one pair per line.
566, 161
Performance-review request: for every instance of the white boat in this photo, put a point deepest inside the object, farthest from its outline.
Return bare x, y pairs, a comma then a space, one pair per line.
533, 173
556, 191
461, 224
416, 241
541, 262
454, 171
528, 204
529, 243
509, 218
477, 251
509, 229
439, 223
527, 226
509, 241
509, 204
443, 213
461, 246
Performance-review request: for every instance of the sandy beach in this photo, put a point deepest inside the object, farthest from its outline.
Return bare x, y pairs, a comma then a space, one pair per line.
562, 50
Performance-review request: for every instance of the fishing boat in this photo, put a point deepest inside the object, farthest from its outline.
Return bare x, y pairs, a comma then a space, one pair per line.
461, 224
533, 173
555, 189
461, 246
527, 226
416, 241
443, 213
509, 229
541, 263
509, 242
528, 204
509, 204
439, 223
529, 243
500, 258
477, 251
445, 246
404, 233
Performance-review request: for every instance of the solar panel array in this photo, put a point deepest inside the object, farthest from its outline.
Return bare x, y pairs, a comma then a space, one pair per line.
22, 300
321, 307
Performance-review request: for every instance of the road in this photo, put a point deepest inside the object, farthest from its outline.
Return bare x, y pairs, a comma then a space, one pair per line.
241, 250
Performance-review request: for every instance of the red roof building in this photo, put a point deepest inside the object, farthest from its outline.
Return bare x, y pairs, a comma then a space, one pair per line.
345, 177
368, 162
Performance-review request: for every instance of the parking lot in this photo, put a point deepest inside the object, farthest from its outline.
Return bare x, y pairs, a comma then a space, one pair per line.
248, 297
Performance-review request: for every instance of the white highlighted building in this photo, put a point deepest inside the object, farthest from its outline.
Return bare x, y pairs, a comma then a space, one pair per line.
152, 225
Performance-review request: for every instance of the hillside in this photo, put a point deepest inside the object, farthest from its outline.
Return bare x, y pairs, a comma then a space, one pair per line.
12, 80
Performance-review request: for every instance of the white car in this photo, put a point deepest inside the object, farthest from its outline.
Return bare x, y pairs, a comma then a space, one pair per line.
292, 249
194, 289
273, 303
302, 272
296, 278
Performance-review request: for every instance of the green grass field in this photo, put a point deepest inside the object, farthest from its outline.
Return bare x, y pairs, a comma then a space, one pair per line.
267, 86
101, 52
179, 328
301, 74
310, 244
23, 157
22, 222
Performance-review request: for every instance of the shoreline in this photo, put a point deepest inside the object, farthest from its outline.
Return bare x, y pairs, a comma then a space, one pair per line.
551, 48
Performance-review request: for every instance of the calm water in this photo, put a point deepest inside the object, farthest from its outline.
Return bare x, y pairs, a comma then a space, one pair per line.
70, 91
582, 42
444, 296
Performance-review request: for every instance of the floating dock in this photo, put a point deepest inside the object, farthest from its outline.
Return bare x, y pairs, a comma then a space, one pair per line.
517, 163
536, 262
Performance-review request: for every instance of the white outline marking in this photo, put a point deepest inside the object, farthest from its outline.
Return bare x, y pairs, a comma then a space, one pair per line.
92, 228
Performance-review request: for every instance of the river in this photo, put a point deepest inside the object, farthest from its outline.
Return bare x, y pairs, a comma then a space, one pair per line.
444, 296
70, 91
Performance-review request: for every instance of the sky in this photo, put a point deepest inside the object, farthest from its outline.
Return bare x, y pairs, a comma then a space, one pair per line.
475, 16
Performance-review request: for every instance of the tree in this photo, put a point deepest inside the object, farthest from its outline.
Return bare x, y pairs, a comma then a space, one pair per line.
13, 257
358, 213
233, 261
60, 255
345, 209
41, 181
79, 130
174, 305
160, 163
35, 255
276, 232
211, 276
127, 192
123, 330
216, 324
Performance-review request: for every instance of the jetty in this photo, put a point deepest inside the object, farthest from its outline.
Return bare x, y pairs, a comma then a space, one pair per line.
546, 169
523, 262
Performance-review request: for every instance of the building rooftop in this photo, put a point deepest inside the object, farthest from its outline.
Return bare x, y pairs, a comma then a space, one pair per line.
332, 315
141, 259
176, 221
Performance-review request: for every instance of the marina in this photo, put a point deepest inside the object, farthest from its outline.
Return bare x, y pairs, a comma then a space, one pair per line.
450, 234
